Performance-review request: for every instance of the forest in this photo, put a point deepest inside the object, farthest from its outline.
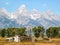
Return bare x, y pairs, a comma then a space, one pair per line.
51, 32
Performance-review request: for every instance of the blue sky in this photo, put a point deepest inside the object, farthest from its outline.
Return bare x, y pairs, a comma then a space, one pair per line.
41, 5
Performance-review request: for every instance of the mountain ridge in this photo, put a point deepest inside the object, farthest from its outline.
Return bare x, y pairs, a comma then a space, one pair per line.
23, 17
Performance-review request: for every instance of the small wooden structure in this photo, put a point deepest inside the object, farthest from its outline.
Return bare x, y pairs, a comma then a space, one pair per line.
20, 38
10, 39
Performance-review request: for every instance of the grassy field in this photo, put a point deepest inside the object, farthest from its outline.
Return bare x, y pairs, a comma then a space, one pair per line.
56, 41
26, 43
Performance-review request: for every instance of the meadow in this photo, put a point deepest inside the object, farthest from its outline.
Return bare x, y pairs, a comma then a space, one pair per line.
56, 41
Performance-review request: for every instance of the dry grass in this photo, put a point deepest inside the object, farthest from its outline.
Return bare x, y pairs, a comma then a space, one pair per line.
29, 43
56, 41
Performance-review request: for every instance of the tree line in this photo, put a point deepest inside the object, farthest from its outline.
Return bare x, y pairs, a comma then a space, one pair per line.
51, 32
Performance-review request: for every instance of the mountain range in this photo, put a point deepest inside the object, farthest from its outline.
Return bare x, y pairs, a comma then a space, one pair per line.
23, 17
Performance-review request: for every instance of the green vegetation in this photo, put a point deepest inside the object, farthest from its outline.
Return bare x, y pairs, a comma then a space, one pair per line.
38, 31
51, 32
9, 32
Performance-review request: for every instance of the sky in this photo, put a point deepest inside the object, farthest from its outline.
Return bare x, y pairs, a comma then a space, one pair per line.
41, 5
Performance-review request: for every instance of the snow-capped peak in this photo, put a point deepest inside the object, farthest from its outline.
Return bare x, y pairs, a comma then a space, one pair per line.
22, 8
49, 12
3, 10
26, 17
